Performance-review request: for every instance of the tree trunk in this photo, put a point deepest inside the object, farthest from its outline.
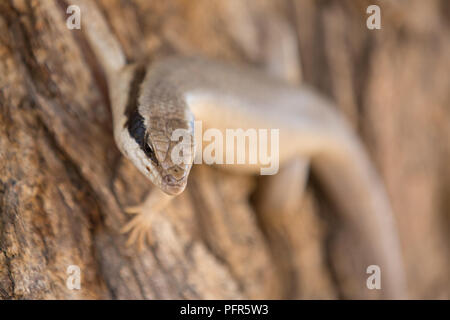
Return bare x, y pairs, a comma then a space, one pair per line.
64, 184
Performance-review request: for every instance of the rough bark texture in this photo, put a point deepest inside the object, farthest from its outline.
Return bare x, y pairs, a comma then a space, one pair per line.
63, 183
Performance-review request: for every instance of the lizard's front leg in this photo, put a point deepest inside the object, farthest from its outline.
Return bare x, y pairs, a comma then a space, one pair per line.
140, 227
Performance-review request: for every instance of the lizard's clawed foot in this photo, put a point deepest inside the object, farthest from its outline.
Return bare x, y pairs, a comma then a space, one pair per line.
140, 227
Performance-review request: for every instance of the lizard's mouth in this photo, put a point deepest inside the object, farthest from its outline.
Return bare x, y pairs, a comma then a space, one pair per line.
172, 186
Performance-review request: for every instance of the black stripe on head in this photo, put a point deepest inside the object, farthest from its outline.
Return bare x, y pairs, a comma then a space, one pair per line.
135, 121
134, 92
136, 128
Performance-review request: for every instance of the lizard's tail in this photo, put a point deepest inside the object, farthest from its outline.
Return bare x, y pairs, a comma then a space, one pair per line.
355, 187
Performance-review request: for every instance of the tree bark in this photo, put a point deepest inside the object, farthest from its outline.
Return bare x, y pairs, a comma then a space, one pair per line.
64, 184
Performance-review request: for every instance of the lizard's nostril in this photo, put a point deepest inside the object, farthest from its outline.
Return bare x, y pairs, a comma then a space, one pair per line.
169, 179
177, 172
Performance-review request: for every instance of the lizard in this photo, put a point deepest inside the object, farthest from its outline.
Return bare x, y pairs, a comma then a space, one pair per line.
150, 101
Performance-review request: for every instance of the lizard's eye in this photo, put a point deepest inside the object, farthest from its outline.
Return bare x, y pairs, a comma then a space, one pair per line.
149, 152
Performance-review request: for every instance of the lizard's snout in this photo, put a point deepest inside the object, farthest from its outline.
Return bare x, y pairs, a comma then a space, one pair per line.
171, 185
175, 174
169, 179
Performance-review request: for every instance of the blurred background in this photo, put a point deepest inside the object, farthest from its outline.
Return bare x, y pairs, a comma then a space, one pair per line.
63, 183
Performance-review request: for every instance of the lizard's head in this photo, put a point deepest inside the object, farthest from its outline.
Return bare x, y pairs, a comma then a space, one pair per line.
162, 148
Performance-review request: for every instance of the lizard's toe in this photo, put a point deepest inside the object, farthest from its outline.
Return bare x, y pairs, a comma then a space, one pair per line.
139, 229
